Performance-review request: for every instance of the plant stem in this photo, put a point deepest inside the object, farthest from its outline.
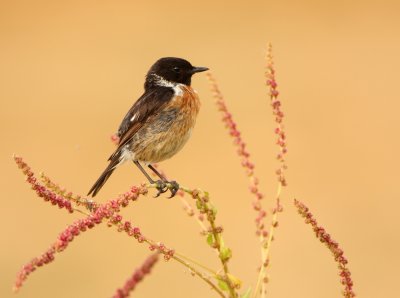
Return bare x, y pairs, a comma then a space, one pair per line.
196, 263
224, 263
179, 258
199, 274
201, 224
203, 200
217, 237
265, 249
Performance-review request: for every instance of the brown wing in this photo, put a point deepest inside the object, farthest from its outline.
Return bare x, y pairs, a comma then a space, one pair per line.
148, 105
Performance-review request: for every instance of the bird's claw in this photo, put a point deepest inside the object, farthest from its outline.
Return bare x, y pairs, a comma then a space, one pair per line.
174, 187
161, 186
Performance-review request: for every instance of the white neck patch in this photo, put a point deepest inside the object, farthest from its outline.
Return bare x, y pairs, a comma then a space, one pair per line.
160, 81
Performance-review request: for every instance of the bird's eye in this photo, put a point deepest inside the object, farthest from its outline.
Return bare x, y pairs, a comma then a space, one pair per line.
176, 69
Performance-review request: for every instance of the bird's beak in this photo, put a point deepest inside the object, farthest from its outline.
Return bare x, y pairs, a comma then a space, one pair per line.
199, 69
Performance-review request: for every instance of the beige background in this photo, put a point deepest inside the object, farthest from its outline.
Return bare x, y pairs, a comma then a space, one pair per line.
71, 69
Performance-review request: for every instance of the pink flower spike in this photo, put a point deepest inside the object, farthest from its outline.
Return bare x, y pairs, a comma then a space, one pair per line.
332, 245
41, 190
137, 277
64, 239
276, 105
98, 213
242, 152
60, 245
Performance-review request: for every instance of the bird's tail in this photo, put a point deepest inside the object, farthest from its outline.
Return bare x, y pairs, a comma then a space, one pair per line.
104, 177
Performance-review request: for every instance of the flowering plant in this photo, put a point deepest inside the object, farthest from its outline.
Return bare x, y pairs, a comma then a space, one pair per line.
222, 282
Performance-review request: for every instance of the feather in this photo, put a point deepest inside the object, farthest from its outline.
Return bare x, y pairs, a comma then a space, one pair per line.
104, 177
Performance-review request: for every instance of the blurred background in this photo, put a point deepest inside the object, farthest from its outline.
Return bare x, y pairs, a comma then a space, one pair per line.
70, 71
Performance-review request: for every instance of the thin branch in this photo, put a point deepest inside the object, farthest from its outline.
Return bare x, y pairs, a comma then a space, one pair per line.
199, 274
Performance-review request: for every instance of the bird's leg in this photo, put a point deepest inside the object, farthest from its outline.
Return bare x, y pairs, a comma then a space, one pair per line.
161, 185
143, 171
157, 173
174, 185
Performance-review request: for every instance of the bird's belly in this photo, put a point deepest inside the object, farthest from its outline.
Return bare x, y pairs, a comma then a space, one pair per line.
163, 141
168, 147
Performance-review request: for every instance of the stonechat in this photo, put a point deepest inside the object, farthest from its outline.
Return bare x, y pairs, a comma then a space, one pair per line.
159, 123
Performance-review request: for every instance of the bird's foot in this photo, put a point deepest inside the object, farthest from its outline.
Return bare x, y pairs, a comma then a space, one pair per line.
161, 186
173, 187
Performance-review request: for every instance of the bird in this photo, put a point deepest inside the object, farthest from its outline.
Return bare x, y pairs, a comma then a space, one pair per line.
158, 124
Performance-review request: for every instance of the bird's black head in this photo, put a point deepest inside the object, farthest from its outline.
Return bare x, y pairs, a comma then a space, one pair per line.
173, 70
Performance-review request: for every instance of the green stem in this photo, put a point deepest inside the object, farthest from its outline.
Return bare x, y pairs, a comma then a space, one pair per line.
199, 274
211, 271
216, 234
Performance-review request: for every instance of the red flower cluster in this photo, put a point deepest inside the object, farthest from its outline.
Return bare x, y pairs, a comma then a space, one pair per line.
41, 190
278, 114
137, 277
99, 213
244, 155
333, 246
61, 191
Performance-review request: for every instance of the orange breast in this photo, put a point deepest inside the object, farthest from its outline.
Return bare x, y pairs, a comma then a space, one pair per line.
163, 142
188, 102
